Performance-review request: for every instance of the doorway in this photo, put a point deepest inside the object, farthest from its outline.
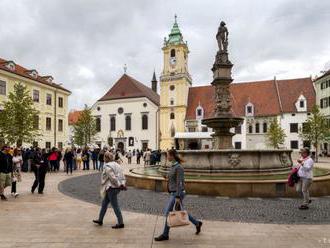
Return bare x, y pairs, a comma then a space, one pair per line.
120, 146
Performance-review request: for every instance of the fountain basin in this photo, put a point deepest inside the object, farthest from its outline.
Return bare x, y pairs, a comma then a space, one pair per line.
233, 161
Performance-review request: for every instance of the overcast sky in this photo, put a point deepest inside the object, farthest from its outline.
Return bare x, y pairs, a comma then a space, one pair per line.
84, 44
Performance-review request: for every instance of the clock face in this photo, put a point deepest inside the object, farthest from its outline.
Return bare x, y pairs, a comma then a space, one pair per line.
172, 60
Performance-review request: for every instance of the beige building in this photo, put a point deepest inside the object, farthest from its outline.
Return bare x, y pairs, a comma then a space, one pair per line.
174, 86
50, 99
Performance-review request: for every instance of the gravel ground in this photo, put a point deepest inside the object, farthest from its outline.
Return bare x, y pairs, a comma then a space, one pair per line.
251, 210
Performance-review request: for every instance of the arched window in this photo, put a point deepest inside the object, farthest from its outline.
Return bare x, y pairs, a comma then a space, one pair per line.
172, 131
144, 122
172, 53
98, 124
172, 116
172, 101
265, 127
257, 128
128, 122
112, 123
250, 129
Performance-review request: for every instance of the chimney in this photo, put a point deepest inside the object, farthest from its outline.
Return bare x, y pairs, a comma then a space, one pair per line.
154, 83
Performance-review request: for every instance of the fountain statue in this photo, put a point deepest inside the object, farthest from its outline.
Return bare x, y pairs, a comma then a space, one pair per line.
223, 119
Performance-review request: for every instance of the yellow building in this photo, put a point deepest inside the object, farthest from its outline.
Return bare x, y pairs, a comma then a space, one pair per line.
174, 87
49, 98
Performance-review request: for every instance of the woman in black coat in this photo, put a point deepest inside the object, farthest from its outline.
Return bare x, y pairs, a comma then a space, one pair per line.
39, 167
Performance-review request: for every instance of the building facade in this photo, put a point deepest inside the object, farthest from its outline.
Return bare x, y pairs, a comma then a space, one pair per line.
50, 99
322, 88
127, 116
175, 81
289, 101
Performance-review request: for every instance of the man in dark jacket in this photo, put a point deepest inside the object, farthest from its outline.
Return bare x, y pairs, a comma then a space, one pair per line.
39, 167
6, 168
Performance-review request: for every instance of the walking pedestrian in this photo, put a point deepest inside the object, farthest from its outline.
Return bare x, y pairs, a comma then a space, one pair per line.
6, 168
95, 154
69, 157
39, 167
138, 156
112, 182
53, 159
177, 193
129, 156
16, 175
79, 158
305, 173
146, 157
85, 158
101, 158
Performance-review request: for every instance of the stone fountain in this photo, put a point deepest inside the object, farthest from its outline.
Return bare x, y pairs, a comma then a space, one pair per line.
223, 158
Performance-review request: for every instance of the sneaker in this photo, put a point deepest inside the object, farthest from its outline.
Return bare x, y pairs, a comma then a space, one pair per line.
16, 195
118, 226
12, 194
199, 227
3, 198
303, 207
161, 238
100, 223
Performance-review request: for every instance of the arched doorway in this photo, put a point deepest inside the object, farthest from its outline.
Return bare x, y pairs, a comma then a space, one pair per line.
120, 146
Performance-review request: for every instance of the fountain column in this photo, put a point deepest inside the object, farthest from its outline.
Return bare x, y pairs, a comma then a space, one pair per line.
223, 119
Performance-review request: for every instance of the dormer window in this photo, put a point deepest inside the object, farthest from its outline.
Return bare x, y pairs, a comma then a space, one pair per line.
49, 79
301, 104
33, 73
249, 109
199, 112
11, 65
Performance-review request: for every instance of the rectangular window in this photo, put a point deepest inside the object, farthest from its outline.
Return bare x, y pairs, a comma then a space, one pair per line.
36, 122
294, 144
2, 88
249, 109
199, 112
60, 145
48, 123
265, 127
293, 127
302, 104
35, 95
257, 128
238, 129
60, 102
60, 125
112, 123
49, 99
191, 129
238, 145
48, 145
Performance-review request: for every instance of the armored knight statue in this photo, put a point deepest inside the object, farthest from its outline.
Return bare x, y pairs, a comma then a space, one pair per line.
222, 37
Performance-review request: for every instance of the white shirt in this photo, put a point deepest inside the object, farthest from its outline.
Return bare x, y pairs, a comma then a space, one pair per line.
306, 168
112, 176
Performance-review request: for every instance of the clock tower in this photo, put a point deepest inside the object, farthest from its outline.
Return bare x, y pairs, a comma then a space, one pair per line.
174, 86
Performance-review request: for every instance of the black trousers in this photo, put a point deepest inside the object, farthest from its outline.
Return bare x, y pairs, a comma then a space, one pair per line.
69, 166
53, 165
40, 174
13, 187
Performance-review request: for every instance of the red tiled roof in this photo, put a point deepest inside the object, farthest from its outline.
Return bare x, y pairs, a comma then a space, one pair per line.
21, 71
73, 117
262, 94
128, 87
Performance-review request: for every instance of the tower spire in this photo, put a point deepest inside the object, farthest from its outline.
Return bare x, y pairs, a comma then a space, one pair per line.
154, 82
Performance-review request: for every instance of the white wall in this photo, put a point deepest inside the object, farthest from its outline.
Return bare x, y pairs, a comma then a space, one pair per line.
133, 106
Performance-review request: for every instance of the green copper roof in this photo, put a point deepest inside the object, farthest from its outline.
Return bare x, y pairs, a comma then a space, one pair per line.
175, 37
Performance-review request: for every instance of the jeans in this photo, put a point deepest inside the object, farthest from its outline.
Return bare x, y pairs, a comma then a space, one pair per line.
86, 165
111, 197
95, 165
303, 186
53, 165
69, 166
101, 165
169, 208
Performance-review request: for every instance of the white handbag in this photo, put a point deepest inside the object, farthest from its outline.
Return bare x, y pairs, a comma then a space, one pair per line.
177, 218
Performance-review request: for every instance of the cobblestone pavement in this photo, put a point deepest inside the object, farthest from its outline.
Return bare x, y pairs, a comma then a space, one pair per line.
253, 210
55, 220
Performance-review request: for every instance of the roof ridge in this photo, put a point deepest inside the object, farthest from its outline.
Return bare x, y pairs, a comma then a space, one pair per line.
278, 95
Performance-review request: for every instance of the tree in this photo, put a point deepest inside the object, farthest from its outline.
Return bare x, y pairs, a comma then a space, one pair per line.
18, 117
275, 135
315, 129
85, 128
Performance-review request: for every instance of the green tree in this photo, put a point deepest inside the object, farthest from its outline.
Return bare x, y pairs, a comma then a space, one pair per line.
315, 129
85, 129
18, 117
275, 135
